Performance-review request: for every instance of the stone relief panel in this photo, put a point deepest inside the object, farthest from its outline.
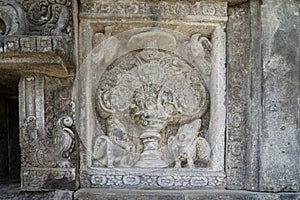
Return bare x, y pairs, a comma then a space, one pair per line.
145, 99
42, 17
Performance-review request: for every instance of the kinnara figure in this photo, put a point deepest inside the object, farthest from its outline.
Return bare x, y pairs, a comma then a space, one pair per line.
187, 146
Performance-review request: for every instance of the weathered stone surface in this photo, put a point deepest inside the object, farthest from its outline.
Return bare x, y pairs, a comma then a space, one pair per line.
47, 161
12, 191
36, 36
84, 194
279, 145
169, 96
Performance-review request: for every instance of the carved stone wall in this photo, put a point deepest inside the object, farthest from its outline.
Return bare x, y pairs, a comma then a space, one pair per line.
187, 99
46, 147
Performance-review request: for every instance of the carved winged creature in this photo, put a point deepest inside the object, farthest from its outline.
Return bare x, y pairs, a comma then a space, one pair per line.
64, 140
200, 45
200, 48
187, 147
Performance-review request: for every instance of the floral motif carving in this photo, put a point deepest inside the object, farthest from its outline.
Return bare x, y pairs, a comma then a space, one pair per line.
49, 17
31, 17
237, 94
11, 18
153, 181
44, 148
161, 9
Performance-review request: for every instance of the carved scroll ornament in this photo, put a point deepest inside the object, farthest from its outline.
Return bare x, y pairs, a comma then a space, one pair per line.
43, 151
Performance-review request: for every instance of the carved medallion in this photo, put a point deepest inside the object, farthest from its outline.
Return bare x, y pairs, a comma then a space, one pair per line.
140, 96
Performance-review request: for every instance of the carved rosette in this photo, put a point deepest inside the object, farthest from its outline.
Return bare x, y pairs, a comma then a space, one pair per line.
167, 181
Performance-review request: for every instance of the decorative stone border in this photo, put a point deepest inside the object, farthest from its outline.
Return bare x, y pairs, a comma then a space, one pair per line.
143, 179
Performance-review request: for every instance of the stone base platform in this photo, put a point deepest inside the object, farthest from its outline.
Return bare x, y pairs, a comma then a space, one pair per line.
96, 194
12, 191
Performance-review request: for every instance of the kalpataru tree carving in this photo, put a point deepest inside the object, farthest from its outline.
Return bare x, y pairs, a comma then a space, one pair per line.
150, 90
143, 96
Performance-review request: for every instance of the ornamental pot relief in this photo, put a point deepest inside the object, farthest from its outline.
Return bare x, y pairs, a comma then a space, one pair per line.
140, 96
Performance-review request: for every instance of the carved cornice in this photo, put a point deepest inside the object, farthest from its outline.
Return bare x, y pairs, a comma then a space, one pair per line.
36, 36
36, 54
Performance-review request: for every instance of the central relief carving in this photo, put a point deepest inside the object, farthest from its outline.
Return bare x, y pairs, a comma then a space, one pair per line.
151, 104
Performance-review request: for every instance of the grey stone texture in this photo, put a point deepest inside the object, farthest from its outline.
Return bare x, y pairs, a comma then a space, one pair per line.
13, 192
85, 194
279, 146
147, 99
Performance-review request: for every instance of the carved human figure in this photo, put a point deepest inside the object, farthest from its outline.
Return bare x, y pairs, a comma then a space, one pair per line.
184, 147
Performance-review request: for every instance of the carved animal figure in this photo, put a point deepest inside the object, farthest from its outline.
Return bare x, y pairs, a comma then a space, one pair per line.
184, 146
116, 149
108, 153
200, 48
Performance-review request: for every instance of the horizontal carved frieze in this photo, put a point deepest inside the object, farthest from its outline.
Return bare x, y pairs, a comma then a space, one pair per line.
33, 44
161, 9
142, 179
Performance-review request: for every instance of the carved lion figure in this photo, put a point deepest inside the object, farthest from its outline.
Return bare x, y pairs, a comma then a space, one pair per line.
116, 149
187, 147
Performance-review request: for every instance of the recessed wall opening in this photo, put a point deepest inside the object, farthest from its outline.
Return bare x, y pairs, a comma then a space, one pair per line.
10, 153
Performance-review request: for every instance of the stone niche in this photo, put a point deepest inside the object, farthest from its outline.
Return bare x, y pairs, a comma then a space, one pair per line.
150, 103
